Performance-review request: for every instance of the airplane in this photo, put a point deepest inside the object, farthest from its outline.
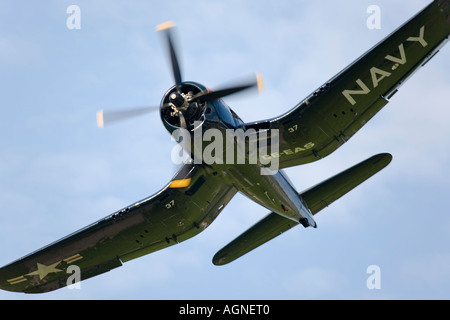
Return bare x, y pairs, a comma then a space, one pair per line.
316, 127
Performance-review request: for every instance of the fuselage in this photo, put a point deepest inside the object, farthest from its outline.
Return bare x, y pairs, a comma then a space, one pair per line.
216, 136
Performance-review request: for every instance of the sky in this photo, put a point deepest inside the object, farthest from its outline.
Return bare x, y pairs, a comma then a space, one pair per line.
59, 172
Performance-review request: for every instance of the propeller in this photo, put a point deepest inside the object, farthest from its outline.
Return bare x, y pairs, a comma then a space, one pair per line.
116, 116
213, 95
167, 27
178, 101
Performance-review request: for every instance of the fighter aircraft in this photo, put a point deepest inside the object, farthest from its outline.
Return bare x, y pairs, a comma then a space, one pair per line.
200, 190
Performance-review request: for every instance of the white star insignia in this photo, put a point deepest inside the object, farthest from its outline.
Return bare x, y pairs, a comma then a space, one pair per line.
43, 270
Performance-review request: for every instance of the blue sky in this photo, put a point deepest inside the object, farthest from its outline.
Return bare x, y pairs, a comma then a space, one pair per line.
58, 172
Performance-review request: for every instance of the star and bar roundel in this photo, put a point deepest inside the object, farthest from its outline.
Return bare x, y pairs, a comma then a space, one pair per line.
43, 270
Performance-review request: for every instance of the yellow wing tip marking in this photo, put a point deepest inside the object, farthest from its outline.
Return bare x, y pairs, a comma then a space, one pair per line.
164, 26
260, 82
180, 183
100, 122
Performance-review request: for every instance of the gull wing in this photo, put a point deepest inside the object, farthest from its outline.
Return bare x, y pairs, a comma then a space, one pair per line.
182, 209
333, 113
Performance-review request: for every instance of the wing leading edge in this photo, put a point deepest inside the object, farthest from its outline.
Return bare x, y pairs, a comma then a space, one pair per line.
316, 198
182, 209
332, 114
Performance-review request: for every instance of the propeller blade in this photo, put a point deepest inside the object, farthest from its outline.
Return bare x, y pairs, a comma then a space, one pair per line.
182, 120
176, 70
115, 116
213, 95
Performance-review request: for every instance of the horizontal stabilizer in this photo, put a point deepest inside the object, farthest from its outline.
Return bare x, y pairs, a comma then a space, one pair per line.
316, 198
328, 191
266, 229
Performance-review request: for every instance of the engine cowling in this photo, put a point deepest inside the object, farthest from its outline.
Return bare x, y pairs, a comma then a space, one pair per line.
178, 111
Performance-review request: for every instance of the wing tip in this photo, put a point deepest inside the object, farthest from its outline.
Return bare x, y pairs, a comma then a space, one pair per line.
385, 158
220, 259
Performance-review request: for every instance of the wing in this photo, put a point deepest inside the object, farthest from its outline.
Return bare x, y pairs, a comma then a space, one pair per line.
326, 119
316, 198
182, 209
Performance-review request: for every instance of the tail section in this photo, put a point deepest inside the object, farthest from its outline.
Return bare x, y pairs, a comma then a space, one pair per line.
328, 191
316, 198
